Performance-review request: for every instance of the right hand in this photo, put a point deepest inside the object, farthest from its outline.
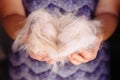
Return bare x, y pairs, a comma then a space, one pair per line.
42, 57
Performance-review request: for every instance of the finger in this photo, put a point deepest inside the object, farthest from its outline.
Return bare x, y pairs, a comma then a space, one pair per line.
87, 55
77, 57
40, 57
35, 56
73, 61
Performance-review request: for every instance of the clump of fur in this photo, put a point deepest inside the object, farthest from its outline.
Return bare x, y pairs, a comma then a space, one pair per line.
56, 36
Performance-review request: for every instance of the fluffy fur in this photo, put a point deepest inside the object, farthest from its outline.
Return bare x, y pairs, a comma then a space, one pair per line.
58, 36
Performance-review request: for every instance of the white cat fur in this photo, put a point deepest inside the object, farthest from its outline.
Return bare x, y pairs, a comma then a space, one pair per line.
57, 36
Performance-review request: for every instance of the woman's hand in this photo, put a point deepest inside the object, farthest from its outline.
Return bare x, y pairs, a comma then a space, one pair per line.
41, 57
85, 55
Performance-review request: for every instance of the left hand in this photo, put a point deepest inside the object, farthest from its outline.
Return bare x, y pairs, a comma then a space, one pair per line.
85, 55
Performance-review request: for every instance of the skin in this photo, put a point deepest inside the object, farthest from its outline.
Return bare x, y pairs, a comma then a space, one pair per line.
107, 12
13, 15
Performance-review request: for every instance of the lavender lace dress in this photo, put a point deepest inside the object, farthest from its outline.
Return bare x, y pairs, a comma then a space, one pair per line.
22, 67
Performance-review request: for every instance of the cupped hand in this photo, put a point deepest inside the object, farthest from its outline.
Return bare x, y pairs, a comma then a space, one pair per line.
41, 57
85, 55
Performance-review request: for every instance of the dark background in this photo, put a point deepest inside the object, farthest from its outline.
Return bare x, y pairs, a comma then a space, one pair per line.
114, 47
115, 54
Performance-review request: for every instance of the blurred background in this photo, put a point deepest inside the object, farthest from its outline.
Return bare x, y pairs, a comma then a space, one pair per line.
114, 47
115, 54
4, 41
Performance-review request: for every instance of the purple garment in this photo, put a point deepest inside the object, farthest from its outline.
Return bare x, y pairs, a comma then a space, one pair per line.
22, 67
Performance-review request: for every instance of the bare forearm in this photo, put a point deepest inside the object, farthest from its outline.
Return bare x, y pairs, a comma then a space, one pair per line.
12, 24
109, 24
107, 11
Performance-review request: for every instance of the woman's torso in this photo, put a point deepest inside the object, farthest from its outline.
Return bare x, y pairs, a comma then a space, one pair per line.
22, 67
